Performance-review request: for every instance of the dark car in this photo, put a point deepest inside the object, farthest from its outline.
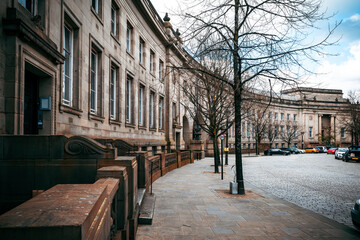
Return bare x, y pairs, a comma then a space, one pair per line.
291, 150
355, 214
276, 151
353, 153
288, 149
321, 149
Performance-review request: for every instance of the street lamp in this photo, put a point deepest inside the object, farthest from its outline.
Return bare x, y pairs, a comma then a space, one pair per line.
249, 144
227, 138
302, 140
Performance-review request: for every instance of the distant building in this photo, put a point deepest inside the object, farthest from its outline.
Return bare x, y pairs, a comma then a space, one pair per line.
317, 114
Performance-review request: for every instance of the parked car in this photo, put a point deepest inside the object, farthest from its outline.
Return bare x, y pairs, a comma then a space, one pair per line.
291, 150
340, 152
277, 151
297, 150
311, 150
301, 150
331, 150
353, 153
322, 149
355, 214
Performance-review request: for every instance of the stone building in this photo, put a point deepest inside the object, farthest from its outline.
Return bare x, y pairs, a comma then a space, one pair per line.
317, 115
96, 68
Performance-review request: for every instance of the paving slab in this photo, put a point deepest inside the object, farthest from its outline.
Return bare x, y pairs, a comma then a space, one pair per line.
192, 203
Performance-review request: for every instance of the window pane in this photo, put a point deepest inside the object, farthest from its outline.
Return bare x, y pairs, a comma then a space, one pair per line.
128, 100
93, 82
67, 68
113, 93
113, 20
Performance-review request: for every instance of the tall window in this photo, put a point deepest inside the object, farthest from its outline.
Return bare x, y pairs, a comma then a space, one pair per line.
174, 112
113, 87
161, 110
276, 116
141, 51
141, 105
310, 132
161, 69
248, 130
30, 5
67, 67
93, 82
276, 145
281, 131
281, 116
275, 131
129, 33
114, 17
288, 117
95, 5
295, 117
151, 110
342, 132
152, 55
128, 100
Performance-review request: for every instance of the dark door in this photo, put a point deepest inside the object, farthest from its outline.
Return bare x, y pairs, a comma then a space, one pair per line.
177, 141
31, 104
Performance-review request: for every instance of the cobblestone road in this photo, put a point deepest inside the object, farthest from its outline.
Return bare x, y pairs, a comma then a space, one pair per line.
317, 182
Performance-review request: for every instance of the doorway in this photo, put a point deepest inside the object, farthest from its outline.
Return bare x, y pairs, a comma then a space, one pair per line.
31, 103
177, 141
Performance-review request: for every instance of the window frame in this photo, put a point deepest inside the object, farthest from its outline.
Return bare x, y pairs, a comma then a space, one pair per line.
141, 51
94, 72
68, 102
112, 96
141, 106
33, 8
161, 70
129, 37
152, 118
152, 62
310, 132
128, 99
161, 112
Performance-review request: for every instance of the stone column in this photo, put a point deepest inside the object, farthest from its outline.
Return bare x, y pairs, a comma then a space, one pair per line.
332, 127
319, 127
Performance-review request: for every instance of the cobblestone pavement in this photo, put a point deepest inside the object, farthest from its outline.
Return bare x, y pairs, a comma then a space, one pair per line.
190, 206
317, 182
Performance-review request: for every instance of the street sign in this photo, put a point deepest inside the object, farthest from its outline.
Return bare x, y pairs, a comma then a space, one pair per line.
222, 137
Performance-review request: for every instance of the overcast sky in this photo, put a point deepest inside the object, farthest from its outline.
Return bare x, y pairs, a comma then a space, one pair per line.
339, 72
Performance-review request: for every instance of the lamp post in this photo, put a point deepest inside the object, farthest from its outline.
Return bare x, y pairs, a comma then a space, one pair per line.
302, 140
249, 144
227, 138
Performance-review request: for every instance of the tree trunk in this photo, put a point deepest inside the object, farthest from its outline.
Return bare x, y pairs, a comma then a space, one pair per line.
238, 99
216, 155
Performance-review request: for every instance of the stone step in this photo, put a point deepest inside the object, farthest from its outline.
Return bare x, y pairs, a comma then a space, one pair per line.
140, 196
147, 210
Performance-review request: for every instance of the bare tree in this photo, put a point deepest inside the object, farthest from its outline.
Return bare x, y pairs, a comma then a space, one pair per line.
351, 123
259, 117
289, 133
272, 131
210, 104
259, 40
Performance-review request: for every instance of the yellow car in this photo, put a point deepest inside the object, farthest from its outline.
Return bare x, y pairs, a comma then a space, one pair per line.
311, 150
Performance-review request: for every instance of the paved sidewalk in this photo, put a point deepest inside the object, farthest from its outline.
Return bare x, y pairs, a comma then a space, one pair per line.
190, 205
